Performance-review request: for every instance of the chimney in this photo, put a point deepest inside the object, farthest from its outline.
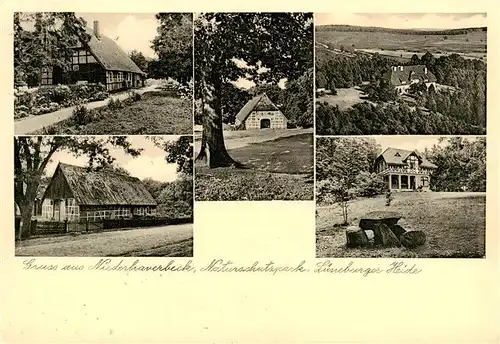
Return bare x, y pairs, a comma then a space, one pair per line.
97, 32
425, 70
401, 68
394, 68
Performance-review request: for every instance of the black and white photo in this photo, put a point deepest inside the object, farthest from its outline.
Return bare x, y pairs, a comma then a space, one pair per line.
103, 73
400, 73
254, 106
401, 196
103, 196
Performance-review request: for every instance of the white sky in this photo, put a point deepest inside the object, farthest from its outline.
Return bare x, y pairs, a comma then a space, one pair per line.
404, 20
150, 164
134, 30
409, 142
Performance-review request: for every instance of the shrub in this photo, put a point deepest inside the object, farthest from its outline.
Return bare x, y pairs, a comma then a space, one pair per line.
81, 115
51, 98
115, 104
134, 96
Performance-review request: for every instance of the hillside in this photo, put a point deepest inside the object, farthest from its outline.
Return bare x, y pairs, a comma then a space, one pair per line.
471, 42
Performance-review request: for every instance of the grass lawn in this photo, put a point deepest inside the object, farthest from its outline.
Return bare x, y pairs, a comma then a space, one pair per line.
454, 223
155, 113
280, 169
173, 241
345, 98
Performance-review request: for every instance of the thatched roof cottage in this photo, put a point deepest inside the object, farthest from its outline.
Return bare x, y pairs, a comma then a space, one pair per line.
75, 193
100, 60
260, 113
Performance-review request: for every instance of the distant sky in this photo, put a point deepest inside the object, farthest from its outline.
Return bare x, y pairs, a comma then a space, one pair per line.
409, 142
130, 30
150, 164
404, 20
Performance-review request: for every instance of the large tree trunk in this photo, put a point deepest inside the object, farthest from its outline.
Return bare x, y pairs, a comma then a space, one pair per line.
26, 210
212, 137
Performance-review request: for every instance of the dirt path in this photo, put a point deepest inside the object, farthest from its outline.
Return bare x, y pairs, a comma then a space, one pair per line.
114, 243
28, 125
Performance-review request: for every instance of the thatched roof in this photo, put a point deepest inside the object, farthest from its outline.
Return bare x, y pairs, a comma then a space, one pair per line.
104, 187
395, 156
109, 54
399, 74
257, 103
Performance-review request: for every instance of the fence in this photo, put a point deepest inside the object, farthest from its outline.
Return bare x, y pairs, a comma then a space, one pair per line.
56, 227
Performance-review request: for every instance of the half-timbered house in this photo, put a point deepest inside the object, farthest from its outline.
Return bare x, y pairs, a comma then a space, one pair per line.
404, 170
100, 60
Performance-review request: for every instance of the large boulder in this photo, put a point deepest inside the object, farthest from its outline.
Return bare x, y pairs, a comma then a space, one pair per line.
375, 218
398, 230
387, 237
356, 237
412, 239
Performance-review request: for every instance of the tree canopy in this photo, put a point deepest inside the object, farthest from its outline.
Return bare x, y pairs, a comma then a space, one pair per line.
44, 39
173, 45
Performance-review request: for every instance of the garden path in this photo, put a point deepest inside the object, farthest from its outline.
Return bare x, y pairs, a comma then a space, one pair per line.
31, 124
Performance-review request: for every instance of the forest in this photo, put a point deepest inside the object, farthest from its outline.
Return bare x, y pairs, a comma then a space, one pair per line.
460, 109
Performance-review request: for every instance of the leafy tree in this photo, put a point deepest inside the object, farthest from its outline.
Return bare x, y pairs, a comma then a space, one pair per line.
174, 46
139, 59
280, 43
33, 153
461, 164
45, 39
154, 187
179, 152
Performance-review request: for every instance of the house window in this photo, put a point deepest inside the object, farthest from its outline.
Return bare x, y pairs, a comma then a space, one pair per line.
47, 208
425, 181
72, 209
47, 76
413, 162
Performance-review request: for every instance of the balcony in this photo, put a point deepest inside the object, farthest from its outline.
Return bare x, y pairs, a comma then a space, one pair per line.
407, 170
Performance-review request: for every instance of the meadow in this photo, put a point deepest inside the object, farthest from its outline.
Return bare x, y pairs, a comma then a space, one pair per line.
471, 42
454, 223
279, 169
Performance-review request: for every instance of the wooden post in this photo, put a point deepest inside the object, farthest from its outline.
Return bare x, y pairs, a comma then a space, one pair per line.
66, 225
87, 225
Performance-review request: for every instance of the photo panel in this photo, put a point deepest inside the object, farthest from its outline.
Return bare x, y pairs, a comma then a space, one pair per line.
103, 73
254, 106
103, 196
400, 196
389, 74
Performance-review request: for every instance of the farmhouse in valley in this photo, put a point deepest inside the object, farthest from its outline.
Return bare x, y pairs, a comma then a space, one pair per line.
404, 170
401, 77
100, 60
260, 113
74, 193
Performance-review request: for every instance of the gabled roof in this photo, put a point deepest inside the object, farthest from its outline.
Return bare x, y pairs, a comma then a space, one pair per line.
257, 103
104, 187
109, 54
395, 156
396, 76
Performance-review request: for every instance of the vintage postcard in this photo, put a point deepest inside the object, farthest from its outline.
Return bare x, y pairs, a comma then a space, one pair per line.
188, 172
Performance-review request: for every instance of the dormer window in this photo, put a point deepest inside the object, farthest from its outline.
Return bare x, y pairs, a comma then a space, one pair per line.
397, 154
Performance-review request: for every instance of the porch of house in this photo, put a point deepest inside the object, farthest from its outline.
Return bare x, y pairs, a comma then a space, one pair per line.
407, 182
